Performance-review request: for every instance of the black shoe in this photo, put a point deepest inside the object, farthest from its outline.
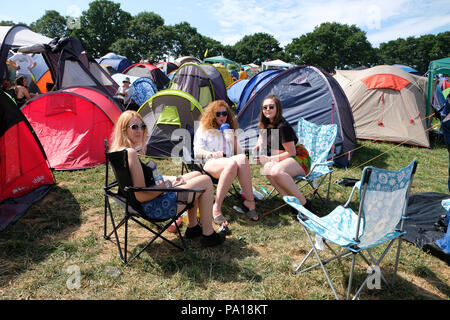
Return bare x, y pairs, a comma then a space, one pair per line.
193, 232
308, 205
213, 240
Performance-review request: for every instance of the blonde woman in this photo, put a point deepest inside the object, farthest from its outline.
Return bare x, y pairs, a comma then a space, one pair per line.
130, 133
209, 144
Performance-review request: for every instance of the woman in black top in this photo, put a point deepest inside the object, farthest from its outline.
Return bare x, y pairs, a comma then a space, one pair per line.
130, 133
280, 153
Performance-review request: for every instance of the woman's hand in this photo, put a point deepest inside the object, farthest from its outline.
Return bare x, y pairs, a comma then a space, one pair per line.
179, 182
262, 159
214, 155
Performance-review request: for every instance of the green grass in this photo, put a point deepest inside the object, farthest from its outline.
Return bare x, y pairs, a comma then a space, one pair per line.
66, 229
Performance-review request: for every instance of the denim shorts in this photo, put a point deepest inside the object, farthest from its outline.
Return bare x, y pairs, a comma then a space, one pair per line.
162, 207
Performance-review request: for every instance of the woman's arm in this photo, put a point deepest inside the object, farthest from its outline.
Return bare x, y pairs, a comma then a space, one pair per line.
137, 176
201, 149
289, 151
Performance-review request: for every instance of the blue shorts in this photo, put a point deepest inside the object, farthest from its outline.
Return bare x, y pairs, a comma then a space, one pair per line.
162, 207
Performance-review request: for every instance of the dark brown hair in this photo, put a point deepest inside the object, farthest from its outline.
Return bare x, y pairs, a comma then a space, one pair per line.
264, 123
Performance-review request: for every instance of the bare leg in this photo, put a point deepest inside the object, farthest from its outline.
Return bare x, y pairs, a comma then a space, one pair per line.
283, 172
245, 180
203, 200
225, 170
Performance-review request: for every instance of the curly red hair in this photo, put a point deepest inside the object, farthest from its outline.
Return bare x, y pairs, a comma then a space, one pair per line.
208, 119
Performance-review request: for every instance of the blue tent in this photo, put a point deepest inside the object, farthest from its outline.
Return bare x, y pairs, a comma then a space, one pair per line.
307, 92
255, 83
235, 89
144, 89
119, 63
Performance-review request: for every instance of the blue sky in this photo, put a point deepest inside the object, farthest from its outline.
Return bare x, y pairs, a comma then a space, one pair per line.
229, 20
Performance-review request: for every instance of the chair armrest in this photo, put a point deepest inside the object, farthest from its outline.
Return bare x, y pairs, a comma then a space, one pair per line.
135, 189
111, 185
356, 186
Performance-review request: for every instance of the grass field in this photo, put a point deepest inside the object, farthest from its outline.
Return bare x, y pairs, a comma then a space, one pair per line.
62, 236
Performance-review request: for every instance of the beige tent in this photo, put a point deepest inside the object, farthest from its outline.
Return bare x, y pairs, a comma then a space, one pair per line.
388, 104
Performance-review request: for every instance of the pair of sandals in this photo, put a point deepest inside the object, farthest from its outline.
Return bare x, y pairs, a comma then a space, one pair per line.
251, 215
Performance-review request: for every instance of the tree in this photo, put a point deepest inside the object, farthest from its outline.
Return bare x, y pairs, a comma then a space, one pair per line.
101, 25
331, 46
257, 48
51, 24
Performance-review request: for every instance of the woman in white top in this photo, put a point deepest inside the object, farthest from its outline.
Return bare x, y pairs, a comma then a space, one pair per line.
210, 144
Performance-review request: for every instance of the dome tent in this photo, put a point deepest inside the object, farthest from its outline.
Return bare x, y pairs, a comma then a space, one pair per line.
165, 112
388, 104
308, 92
24, 171
72, 125
204, 82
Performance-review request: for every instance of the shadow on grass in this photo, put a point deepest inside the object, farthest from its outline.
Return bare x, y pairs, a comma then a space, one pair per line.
370, 154
38, 233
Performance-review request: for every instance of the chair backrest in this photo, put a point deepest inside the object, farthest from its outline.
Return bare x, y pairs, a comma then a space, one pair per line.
317, 139
119, 164
383, 201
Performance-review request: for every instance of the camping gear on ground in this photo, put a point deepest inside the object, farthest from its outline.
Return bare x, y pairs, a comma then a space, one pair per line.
117, 62
383, 198
388, 104
425, 222
307, 92
165, 112
25, 176
72, 125
150, 71
204, 82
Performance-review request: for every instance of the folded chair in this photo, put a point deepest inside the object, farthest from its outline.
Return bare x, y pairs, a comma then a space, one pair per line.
383, 197
121, 190
318, 140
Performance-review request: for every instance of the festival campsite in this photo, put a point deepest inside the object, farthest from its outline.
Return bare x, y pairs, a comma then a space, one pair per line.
58, 217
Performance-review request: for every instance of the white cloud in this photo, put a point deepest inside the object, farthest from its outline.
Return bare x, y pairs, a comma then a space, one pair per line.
288, 19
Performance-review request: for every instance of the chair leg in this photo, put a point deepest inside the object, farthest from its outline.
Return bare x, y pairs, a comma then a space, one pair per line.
350, 279
321, 264
396, 260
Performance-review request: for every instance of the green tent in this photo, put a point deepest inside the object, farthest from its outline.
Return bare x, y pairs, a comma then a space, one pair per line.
434, 68
223, 61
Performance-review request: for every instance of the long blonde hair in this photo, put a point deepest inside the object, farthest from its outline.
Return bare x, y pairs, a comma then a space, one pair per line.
120, 139
208, 119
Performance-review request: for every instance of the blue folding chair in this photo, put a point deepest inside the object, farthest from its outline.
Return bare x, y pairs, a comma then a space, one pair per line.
318, 140
383, 200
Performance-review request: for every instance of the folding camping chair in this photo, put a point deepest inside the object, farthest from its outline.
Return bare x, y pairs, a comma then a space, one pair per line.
318, 140
121, 190
383, 199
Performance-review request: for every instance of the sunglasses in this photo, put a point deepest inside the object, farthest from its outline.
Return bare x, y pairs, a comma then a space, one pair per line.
269, 107
135, 127
223, 114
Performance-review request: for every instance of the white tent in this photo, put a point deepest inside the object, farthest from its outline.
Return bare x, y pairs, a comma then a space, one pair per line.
276, 64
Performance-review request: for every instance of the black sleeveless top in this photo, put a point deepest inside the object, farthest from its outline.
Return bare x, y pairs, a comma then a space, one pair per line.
148, 172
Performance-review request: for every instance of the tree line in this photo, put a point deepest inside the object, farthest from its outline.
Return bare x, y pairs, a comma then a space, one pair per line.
105, 27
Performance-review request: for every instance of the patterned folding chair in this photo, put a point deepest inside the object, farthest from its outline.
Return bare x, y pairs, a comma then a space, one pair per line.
383, 200
318, 140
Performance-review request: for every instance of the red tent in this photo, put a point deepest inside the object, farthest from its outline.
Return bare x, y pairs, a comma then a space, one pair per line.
72, 125
25, 176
